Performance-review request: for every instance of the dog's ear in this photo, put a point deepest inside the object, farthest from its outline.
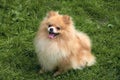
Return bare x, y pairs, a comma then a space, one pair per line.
67, 19
51, 13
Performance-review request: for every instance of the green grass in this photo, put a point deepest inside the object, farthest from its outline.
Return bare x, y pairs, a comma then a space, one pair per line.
19, 21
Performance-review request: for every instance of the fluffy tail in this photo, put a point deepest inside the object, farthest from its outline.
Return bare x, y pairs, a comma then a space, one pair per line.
90, 60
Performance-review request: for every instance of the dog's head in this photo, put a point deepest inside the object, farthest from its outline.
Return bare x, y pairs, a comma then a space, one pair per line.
57, 25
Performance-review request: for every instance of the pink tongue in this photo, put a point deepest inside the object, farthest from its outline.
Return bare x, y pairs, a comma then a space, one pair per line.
51, 36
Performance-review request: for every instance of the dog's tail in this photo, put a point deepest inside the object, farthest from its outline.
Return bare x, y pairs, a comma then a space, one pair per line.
90, 60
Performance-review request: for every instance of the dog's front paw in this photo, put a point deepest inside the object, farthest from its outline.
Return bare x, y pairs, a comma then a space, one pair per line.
41, 71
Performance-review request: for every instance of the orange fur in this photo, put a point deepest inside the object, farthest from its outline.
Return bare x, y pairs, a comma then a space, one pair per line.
69, 49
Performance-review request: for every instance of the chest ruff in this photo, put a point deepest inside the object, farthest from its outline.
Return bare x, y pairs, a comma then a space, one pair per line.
49, 53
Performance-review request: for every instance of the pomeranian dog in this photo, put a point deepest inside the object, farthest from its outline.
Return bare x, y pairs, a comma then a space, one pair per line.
59, 46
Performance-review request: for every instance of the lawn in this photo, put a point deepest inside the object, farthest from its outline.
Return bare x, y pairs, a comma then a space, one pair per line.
20, 19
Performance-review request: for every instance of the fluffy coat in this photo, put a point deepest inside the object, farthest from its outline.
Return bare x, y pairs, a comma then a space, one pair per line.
70, 49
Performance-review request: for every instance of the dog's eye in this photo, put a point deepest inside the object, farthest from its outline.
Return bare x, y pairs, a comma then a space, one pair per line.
49, 25
58, 28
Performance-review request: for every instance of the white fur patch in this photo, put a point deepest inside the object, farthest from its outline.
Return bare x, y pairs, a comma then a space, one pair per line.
48, 53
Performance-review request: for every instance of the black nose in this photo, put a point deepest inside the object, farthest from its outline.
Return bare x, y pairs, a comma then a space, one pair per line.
51, 29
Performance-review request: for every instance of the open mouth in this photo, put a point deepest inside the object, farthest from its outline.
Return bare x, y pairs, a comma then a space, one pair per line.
52, 35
